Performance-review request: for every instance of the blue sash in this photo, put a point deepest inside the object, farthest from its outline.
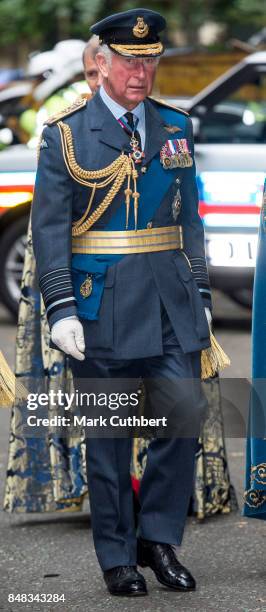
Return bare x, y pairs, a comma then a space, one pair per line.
152, 187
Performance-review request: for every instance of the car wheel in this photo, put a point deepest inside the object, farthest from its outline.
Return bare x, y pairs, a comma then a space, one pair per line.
243, 297
12, 252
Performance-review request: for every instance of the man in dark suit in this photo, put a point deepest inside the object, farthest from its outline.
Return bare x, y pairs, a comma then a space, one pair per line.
91, 71
119, 247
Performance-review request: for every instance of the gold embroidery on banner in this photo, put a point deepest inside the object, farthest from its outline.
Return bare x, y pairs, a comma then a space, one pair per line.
141, 29
254, 498
258, 473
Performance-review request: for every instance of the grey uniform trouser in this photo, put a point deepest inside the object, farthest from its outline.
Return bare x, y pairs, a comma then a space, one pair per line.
166, 485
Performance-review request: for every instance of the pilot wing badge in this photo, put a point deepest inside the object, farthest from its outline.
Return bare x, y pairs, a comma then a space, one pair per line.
175, 154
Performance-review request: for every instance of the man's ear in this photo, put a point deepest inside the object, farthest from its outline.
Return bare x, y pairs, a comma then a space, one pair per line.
102, 64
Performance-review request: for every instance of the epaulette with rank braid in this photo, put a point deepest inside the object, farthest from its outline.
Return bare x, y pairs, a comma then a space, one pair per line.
79, 103
164, 103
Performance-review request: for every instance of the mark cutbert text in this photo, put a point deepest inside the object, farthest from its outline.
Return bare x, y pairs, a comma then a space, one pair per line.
83, 421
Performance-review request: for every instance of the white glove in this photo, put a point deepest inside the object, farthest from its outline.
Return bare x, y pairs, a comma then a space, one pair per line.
208, 317
68, 335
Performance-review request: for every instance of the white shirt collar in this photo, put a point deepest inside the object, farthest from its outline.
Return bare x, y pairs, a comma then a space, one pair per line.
117, 110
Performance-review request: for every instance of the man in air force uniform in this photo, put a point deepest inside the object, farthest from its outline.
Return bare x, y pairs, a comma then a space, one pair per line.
119, 246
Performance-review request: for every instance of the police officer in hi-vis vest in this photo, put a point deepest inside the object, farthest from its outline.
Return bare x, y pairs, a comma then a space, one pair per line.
119, 246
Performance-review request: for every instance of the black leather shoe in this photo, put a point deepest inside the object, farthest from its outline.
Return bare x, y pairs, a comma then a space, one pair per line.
162, 560
125, 580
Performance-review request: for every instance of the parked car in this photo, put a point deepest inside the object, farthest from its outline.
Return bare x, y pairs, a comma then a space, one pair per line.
230, 134
229, 119
17, 176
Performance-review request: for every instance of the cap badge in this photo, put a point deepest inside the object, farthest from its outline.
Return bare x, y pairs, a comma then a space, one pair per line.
141, 29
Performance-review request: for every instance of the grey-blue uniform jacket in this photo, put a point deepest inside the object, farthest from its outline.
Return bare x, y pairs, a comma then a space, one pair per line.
128, 322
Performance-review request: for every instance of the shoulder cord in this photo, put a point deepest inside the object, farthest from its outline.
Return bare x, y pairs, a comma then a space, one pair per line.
115, 173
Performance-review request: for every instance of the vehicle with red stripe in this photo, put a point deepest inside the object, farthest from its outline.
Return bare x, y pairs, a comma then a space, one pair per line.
229, 119
17, 177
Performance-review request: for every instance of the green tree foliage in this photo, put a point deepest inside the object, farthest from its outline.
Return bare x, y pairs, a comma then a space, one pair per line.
45, 22
41, 23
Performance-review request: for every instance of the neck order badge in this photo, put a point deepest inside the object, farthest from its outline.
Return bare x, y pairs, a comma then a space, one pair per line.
129, 124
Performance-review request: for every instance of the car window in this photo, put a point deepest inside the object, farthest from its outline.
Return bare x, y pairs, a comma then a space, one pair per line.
239, 118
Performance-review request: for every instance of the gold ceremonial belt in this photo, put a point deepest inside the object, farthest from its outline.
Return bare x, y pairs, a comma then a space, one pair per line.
130, 241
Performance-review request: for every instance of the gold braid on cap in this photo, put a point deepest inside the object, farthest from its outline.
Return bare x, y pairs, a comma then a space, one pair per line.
154, 49
115, 173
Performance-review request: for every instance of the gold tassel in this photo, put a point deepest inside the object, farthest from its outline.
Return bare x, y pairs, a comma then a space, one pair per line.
213, 359
128, 191
135, 195
10, 388
136, 205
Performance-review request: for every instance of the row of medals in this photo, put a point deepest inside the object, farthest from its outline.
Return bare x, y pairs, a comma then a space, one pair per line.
180, 158
177, 160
